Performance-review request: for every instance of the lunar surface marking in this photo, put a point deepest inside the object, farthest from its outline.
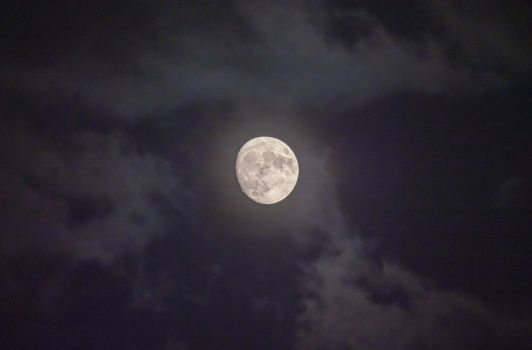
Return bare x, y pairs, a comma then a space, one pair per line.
267, 170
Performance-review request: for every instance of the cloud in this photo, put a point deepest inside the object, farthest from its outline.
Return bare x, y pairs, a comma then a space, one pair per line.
93, 196
352, 301
487, 35
172, 344
354, 304
265, 54
97, 193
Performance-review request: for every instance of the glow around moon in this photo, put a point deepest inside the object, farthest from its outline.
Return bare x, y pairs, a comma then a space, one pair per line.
266, 169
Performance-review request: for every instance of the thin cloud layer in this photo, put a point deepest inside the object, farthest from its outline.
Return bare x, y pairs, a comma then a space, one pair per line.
120, 124
353, 302
92, 196
277, 54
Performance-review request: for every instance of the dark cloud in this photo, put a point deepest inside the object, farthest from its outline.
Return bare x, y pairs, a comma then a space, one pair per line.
428, 189
87, 192
488, 36
123, 225
353, 304
274, 54
58, 32
349, 21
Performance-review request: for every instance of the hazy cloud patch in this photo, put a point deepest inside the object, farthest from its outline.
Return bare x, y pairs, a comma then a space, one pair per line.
91, 198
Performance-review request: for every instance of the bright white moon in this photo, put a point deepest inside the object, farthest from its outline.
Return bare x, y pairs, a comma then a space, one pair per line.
267, 170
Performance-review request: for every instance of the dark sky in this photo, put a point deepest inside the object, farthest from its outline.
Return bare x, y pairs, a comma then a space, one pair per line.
123, 225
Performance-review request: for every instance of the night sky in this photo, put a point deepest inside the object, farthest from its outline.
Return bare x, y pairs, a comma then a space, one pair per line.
123, 225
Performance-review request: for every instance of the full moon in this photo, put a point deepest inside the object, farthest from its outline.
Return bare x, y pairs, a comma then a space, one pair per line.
266, 169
